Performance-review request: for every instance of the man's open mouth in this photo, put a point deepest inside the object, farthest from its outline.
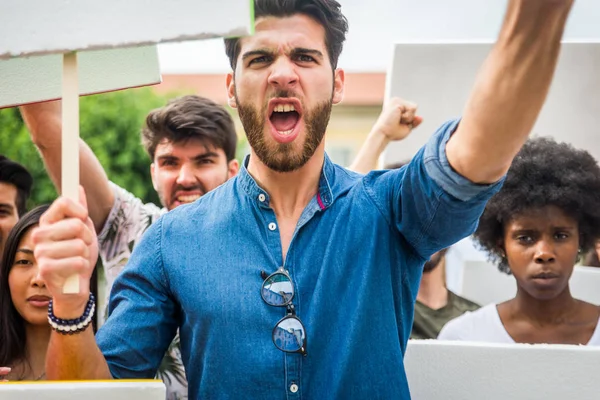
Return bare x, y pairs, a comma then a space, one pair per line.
285, 115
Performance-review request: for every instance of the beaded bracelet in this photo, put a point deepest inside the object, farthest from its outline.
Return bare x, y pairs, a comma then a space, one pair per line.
71, 326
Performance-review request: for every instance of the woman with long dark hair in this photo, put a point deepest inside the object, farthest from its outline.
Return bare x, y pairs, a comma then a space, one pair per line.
24, 328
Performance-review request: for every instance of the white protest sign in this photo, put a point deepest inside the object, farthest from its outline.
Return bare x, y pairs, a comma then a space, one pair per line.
40, 27
38, 78
89, 390
476, 371
440, 76
29, 27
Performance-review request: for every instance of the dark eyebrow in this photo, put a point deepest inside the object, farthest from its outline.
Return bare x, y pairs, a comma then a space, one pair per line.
523, 230
26, 251
166, 157
311, 52
208, 154
257, 52
6, 205
296, 51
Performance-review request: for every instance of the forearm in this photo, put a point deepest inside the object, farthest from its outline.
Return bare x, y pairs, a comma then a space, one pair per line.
369, 153
45, 126
510, 90
75, 357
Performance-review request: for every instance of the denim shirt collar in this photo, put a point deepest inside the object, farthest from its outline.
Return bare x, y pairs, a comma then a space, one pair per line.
325, 194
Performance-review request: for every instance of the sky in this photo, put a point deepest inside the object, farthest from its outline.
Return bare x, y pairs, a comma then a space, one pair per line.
376, 24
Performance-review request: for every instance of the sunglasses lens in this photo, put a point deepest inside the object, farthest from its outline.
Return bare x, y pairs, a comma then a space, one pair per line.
277, 290
289, 334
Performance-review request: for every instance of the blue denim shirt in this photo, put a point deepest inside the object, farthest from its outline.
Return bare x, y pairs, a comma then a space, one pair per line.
355, 258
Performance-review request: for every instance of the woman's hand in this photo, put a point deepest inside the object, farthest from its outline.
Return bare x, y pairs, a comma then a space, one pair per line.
3, 372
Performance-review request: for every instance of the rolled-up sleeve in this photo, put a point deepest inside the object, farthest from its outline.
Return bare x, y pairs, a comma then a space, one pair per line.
429, 203
142, 318
439, 168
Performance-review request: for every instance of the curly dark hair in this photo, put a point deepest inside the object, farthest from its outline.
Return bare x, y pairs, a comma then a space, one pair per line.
544, 173
326, 12
190, 117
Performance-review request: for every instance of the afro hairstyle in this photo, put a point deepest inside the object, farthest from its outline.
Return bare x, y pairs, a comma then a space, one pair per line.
544, 173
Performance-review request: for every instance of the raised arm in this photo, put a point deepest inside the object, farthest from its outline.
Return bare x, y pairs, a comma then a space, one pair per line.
510, 90
390, 126
143, 316
65, 243
44, 122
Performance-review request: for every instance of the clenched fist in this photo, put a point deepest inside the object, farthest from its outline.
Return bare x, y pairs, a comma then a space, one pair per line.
397, 119
66, 244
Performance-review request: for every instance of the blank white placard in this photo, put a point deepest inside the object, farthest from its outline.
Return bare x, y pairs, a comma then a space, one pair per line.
30, 27
32, 79
88, 390
477, 371
439, 78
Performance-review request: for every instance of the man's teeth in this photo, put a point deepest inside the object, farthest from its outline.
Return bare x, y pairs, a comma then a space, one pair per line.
188, 199
284, 108
286, 132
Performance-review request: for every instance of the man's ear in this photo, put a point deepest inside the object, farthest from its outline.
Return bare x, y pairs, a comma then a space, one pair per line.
231, 91
339, 78
233, 167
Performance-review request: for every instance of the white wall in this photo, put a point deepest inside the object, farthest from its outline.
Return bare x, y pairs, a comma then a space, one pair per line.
440, 370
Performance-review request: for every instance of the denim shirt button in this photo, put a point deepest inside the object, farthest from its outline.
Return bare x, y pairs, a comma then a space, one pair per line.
293, 388
261, 198
272, 226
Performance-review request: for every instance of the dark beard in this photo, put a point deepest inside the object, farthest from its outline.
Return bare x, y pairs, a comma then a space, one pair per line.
282, 157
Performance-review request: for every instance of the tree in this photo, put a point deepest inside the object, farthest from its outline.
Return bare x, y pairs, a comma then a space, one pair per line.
110, 123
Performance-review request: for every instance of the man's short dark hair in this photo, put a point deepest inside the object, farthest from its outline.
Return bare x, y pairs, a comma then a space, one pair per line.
15, 174
190, 117
328, 13
544, 173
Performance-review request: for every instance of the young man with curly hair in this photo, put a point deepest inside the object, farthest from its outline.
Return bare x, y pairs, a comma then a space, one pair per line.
302, 283
536, 227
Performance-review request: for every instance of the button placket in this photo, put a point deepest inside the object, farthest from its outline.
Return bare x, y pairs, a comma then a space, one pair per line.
293, 363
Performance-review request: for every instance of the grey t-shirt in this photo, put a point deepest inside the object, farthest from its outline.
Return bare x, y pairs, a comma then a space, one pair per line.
429, 322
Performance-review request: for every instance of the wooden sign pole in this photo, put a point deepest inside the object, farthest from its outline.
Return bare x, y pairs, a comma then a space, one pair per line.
70, 142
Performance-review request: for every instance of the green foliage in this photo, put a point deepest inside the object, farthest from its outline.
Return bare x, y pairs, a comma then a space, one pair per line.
110, 123
15, 143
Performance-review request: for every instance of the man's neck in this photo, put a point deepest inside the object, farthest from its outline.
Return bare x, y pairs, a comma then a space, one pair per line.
289, 192
432, 291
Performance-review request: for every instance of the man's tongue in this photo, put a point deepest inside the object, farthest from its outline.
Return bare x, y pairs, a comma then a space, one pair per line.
284, 121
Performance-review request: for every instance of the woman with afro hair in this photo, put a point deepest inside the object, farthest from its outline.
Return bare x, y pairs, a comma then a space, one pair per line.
536, 227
